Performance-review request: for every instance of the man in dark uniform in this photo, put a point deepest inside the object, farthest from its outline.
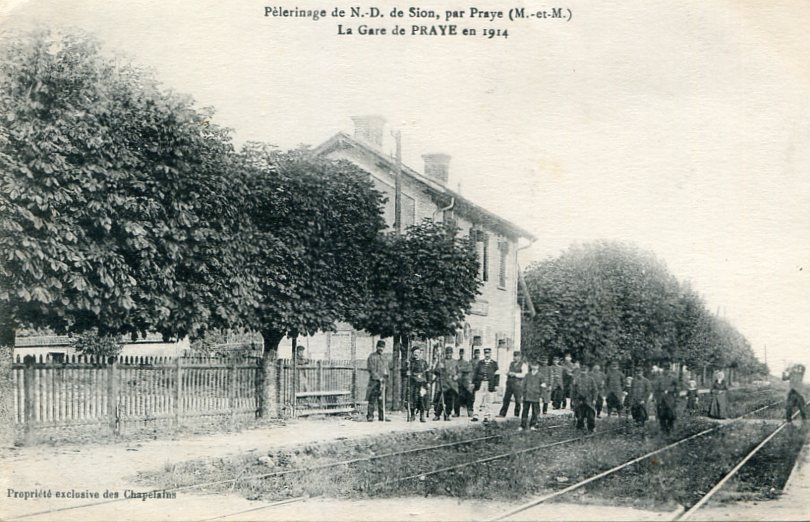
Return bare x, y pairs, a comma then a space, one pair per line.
665, 388
514, 384
585, 391
614, 388
640, 392
545, 371
418, 375
599, 378
377, 374
485, 380
465, 392
557, 393
447, 385
795, 398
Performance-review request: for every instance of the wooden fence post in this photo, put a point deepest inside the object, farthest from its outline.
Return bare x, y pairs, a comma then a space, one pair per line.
232, 390
178, 390
28, 401
320, 385
353, 345
112, 397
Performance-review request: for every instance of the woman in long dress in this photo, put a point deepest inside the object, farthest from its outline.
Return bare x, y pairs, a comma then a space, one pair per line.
718, 407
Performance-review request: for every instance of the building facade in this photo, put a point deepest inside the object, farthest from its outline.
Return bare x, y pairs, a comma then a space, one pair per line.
495, 319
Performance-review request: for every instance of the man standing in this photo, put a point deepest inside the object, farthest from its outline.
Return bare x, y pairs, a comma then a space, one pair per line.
533, 386
599, 379
557, 394
476, 356
514, 384
465, 369
614, 386
640, 392
485, 380
301, 363
545, 371
418, 374
795, 397
567, 378
447, 374
585, 391
377, 375
666, 389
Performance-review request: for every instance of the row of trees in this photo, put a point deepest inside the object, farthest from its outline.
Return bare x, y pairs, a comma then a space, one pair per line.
611, 301
125, 210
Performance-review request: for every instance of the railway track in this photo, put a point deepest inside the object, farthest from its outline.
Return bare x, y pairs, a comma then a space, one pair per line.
528, 506
444, 469
307, 469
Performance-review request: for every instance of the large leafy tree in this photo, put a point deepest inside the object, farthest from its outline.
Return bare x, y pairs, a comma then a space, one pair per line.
606, 300
117, 209
422, 284
316, 225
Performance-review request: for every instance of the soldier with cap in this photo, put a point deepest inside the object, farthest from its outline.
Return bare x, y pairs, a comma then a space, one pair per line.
301, 362
795, 398
665, 391
584, 391
377, 375
418, 381
614, 387
485, 380
465, 393
446, 372
545, 371
568, 378
599, 378
514, 384
639, 396
557, 393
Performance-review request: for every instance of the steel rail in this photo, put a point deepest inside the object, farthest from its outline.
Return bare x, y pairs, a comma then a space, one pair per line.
544, 498
686, 515
279, 473
493, 458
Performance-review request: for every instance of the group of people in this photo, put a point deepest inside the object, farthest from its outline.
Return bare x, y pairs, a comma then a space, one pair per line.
450, 384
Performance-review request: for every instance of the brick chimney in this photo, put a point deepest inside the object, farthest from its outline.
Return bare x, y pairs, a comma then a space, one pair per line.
369, 129
437, 167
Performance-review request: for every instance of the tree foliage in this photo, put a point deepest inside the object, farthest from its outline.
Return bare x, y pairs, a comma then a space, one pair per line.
611, 301
422, 284
316, 224
117, 211
91, 343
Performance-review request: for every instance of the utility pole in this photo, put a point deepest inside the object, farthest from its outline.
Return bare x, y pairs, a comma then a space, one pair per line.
397, 354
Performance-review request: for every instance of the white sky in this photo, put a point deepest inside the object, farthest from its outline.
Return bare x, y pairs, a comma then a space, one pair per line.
683, 127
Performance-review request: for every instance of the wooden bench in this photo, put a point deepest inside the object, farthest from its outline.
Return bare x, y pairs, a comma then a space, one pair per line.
325, 399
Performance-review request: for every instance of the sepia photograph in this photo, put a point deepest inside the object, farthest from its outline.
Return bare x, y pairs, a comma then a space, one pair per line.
380, 260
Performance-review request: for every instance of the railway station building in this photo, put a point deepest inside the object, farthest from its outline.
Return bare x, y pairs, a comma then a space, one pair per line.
496, 315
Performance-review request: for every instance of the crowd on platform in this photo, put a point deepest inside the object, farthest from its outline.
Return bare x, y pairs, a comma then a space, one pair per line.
452, 384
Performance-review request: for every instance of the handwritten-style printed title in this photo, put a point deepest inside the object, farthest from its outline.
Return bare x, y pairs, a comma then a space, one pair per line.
420, 21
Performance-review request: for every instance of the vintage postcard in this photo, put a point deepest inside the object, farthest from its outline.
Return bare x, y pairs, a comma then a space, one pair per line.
382, 260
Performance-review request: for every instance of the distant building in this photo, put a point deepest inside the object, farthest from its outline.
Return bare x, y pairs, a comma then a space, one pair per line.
59, 346
497, 312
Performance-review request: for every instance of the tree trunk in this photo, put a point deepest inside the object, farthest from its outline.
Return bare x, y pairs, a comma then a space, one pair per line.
7, 338
268, 386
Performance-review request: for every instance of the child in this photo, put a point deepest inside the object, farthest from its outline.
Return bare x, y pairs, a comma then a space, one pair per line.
692, 399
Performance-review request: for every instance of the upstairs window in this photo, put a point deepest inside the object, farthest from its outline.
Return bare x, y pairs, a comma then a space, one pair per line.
481, 241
